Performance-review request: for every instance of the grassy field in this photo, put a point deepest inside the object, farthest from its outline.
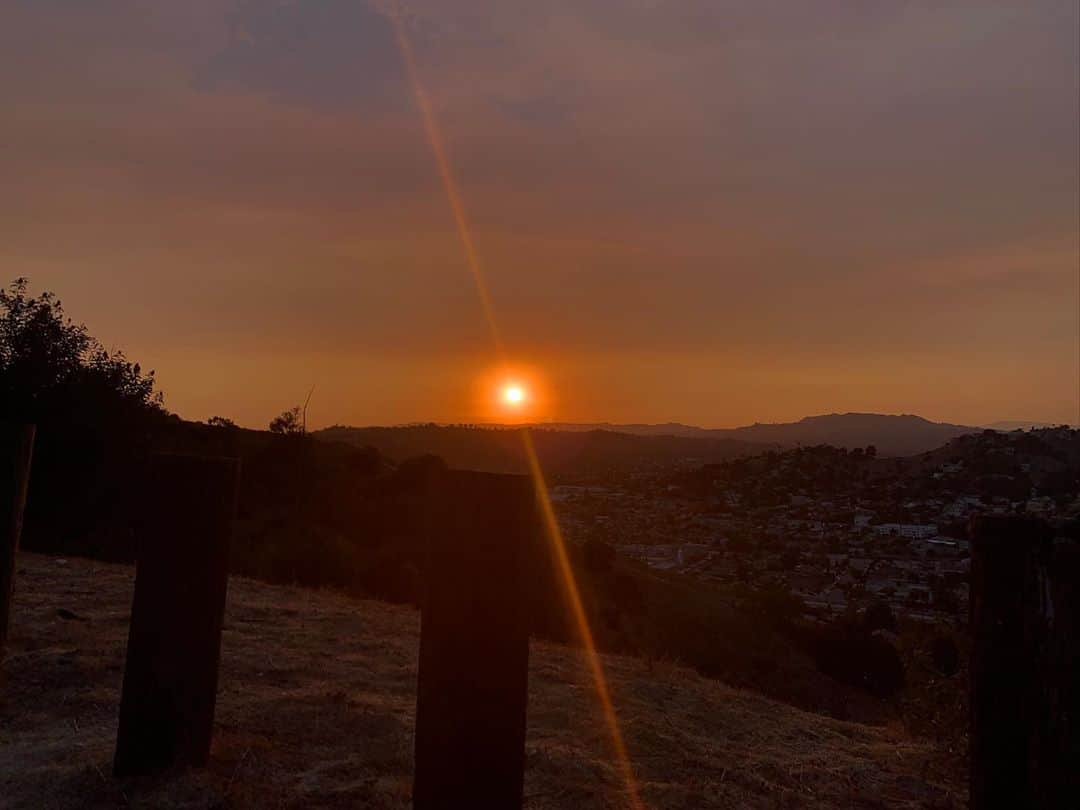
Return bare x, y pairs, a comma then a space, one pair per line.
316, 706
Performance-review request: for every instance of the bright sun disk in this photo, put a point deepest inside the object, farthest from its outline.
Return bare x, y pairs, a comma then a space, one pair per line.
513, 395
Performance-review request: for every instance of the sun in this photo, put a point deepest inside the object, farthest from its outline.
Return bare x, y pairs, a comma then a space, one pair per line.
511, 395
514, 395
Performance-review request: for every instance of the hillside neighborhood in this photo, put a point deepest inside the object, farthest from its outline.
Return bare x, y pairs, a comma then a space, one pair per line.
837, 529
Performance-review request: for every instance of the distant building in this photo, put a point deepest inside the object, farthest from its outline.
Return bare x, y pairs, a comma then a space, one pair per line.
964, 506
837, 560
916, 531
691, 552
939, 546
1040, 507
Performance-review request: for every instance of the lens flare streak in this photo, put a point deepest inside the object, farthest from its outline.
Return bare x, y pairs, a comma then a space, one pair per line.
551, 524
434, 137
596, 667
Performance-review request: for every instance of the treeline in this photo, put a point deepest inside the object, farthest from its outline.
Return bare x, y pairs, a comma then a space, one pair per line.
577, 453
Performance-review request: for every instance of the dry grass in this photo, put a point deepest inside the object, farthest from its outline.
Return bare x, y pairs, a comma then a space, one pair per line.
316, 706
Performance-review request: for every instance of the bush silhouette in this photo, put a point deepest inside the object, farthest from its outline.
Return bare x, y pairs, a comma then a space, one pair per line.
288, 423
855, 657
945, 655
599, 556
879, 616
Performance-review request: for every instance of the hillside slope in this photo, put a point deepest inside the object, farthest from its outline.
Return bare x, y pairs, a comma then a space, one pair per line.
316, 704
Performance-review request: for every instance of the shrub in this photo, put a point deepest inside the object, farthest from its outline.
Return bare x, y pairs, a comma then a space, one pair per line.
599, 557
879, 616
945, 655
857, 658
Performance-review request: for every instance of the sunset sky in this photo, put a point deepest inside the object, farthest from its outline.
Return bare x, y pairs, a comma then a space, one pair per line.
697, 210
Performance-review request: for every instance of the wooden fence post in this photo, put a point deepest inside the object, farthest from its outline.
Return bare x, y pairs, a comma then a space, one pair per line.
16, 449
474, 644
1057, 746
174, 644
1024, 611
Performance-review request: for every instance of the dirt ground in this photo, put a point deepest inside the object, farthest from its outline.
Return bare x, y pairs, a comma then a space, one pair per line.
316, 706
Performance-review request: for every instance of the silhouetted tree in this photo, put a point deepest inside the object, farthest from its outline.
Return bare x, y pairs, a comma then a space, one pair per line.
221, 422
288, 423
52, 368
95, 412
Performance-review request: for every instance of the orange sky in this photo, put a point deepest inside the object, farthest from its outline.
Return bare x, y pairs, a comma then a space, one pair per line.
715, 213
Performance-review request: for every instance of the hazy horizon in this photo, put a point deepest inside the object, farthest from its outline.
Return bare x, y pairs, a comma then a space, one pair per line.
709, 213
607, 423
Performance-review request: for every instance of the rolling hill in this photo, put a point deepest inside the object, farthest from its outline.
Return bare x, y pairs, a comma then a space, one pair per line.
903, 435
316, 709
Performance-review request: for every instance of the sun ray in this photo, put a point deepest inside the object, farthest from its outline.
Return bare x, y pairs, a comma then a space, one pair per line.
552, 531
442, 162
596, 666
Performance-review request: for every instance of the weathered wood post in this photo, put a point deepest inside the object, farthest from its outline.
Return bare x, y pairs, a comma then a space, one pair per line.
1056, 744
1024, 611
474, 643
170, 677
16, 449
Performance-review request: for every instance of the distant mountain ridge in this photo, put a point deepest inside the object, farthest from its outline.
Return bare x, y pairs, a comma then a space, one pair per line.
899, 435
569, 444
891, 434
